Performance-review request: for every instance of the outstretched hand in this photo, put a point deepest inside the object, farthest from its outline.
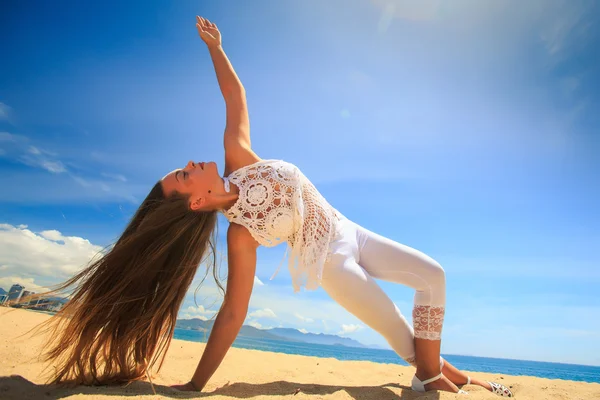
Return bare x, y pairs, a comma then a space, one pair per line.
208, 32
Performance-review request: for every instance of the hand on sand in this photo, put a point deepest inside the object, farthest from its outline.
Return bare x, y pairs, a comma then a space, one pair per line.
208, 32
187, 387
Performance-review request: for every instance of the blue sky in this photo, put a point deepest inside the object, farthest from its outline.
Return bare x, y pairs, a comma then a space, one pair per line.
468, 130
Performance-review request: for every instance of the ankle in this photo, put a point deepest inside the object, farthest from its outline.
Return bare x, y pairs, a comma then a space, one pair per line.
426, 373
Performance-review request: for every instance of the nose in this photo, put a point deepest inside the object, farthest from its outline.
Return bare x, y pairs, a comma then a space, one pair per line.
191, 164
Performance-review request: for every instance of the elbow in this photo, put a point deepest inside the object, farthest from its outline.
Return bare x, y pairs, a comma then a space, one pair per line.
234, 92
240, 90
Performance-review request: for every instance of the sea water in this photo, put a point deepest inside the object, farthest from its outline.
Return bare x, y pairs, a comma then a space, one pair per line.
468, 363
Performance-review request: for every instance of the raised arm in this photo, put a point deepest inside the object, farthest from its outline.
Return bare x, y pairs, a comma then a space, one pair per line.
240, 280
238, 149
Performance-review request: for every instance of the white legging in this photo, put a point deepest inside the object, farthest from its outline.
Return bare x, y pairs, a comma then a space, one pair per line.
358, 255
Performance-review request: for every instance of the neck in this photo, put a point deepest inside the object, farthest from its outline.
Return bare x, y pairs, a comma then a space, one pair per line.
228, 197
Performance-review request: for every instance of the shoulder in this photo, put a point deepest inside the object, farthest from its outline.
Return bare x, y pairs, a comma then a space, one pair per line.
240, 236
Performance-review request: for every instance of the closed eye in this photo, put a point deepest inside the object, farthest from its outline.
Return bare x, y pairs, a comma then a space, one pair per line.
181, 173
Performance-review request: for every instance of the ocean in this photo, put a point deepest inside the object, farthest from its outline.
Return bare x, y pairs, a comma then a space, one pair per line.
549, 370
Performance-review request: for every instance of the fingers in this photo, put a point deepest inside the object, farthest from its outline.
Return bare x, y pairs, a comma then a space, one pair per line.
201, 22
204, 23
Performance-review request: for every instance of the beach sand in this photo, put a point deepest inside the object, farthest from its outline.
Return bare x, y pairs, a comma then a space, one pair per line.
249, 374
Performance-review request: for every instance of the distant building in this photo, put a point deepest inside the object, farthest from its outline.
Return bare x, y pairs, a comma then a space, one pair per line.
15, 292
30, 301
48, 303
27, 293
36, 302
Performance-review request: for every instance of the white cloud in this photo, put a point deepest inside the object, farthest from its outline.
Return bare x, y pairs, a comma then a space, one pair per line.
258, 325
255, 324
67, 187
349, 328
117, 177
47, 253
18, 147
22, 151
56, 167
53, 235
302, 318
37, 158
303, 331
264, 313
325, 326
5, 112
8, 137
34, 150
199, 312
28, 283
290, 307
563, 26
257, 281
81, 181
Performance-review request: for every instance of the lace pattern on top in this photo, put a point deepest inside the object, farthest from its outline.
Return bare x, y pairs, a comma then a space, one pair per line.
428, 321
277, 203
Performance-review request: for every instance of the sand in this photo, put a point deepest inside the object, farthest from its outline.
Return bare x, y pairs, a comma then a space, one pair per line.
249, 374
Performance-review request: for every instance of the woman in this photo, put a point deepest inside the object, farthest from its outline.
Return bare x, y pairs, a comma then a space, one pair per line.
123, 313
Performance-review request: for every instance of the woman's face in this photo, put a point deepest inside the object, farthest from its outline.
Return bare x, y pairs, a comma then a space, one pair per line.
197, 180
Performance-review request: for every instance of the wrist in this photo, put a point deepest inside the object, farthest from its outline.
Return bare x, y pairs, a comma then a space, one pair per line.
212, 47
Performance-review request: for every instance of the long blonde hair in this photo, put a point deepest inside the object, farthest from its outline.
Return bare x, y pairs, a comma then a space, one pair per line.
121, 317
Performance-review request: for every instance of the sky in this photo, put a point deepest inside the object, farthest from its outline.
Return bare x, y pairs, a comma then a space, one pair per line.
468, 130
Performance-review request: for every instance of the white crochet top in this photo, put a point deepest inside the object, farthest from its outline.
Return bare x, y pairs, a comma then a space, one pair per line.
277, 203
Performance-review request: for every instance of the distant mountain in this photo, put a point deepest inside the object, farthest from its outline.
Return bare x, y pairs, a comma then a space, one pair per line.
315, 338
197, 324
377, 346
2, 291
250, 331
285, 334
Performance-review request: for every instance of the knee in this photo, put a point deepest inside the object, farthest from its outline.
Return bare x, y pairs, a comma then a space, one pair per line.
434, 286
438, 275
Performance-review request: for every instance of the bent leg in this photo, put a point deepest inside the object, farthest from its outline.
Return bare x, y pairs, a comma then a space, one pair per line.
355, 290
394, 262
